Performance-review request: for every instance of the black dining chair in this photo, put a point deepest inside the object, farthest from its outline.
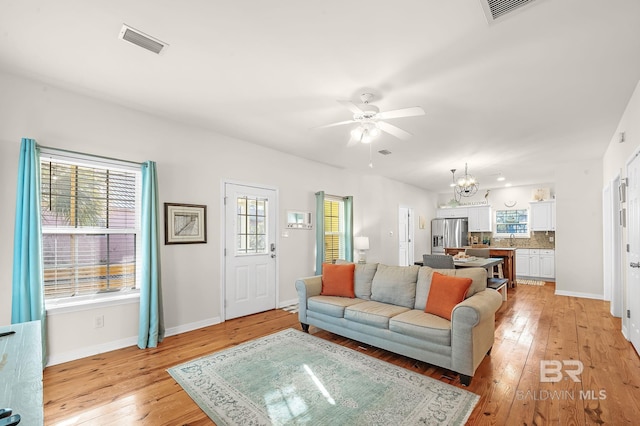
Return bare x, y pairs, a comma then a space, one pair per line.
438, 261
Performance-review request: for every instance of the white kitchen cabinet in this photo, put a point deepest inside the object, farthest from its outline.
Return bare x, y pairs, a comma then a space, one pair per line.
522, 262
535, 263
542, 216
480, 219
547, 264
453, 212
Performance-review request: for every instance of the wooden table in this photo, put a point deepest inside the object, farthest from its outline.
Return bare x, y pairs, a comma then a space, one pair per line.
508, 255
21, 372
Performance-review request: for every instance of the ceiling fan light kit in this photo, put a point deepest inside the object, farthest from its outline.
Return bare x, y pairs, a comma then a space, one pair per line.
366, 132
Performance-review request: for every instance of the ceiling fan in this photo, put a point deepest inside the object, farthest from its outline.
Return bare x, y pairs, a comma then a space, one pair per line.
369, 118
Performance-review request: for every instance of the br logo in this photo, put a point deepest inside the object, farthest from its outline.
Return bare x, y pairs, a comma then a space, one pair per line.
554, 371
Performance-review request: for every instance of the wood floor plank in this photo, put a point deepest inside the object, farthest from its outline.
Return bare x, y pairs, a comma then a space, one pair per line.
132, 386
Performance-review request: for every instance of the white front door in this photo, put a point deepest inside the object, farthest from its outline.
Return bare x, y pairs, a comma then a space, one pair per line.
250, 250
633, 238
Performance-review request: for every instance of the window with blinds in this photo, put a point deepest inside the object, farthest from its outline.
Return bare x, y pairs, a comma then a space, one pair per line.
89, 227
333, 230
512, 222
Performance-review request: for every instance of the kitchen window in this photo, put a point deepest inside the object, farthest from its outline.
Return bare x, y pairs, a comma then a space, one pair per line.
512, 222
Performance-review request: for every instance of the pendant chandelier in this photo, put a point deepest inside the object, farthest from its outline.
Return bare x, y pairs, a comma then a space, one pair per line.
465, 186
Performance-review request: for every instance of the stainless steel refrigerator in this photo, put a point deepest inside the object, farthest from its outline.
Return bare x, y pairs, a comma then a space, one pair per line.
448, 232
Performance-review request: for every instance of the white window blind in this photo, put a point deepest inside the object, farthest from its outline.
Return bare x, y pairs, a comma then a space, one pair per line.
333, 229
90, 225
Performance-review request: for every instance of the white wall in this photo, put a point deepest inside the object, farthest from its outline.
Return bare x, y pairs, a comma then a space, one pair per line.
579, 229
615, 163
192, 164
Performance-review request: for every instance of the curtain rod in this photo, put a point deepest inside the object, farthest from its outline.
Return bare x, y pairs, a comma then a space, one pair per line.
90, 155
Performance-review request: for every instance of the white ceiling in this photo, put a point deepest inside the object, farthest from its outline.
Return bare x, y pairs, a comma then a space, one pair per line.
542, 86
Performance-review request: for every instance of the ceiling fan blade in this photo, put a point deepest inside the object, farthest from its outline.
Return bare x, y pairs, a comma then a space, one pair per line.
393, 130
351, 107
340, 123
397, 113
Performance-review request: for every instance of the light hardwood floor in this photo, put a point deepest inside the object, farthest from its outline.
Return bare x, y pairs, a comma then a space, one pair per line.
131, 386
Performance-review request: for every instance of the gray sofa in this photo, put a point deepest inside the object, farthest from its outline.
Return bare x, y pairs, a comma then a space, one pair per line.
388, 313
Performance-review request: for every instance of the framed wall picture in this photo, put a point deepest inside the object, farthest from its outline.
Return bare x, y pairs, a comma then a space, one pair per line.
185, 223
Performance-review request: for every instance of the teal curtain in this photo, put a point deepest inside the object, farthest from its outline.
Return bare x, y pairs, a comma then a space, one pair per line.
151, 325
319, 231
27, 290
348, 228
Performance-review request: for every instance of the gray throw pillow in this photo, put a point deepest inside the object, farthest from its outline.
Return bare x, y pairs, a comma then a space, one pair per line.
362, 278
395, 285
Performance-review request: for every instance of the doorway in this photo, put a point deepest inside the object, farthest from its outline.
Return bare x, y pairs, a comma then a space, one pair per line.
405, 237
250, 220
613, 256
633, 255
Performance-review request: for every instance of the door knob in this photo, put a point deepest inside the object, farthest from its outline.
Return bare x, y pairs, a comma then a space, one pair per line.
273, 255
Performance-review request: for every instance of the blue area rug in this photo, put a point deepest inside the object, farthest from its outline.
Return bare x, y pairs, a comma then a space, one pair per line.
295, 378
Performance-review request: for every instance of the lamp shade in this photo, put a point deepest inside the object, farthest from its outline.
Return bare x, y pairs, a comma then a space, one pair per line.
361, 243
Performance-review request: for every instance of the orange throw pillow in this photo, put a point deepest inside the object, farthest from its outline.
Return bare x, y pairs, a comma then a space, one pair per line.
337, 280
445, 293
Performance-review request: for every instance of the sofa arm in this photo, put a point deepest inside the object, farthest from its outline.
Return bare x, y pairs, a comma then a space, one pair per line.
477, 308
306, 288
473, 330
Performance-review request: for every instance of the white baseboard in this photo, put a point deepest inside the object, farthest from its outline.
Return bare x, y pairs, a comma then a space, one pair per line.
191, 326
624, 333
287, 303
123, 343
578, 294
91, 350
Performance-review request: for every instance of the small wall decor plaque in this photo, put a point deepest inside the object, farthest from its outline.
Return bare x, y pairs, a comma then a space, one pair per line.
185, 223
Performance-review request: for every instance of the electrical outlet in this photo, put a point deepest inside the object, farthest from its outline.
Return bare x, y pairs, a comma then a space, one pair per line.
550, 239
98, 321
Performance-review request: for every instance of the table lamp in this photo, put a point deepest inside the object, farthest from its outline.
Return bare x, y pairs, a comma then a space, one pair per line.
362, 245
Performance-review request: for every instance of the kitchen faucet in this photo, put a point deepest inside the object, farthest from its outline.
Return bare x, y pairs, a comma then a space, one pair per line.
512, 241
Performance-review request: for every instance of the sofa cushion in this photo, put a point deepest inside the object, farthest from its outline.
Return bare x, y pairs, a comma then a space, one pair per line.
362, 278
422, 326
445, 293
330, 305
478, 275
373, 313
337, 280
395, 285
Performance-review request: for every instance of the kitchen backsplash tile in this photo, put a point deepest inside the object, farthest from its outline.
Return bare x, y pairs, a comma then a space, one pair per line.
538, 239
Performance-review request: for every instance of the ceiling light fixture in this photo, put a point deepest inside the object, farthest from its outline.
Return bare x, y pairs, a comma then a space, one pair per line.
501, 178
465, 186
366, 132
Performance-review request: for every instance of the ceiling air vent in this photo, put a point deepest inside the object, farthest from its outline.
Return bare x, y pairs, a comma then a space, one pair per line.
494, 9
384, 152
141, 39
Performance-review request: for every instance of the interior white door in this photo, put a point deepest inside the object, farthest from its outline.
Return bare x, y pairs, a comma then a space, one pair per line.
405, 237
250, 250
633, 256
